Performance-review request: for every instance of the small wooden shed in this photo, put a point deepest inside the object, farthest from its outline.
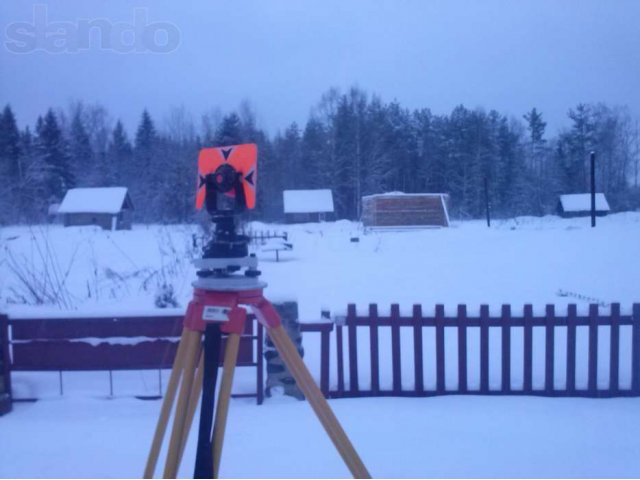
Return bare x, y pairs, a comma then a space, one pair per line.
108, 207
398, 209
579, 205
302, 206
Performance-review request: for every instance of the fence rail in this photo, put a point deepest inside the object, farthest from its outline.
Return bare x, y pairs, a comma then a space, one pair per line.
560, 371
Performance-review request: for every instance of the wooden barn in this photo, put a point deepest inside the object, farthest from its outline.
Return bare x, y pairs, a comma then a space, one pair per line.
108, 207
400, 210
579, 205
301, 206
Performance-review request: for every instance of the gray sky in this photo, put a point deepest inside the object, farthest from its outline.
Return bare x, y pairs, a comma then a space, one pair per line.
282, 55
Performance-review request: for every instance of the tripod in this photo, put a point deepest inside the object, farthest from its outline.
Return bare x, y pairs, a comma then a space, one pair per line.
217, 304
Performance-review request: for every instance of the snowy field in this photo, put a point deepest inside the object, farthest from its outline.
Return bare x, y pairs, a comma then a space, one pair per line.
429, 437
526, 260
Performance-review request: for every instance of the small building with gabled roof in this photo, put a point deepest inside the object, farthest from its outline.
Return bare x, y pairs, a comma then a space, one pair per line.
108, 207
579, 205
302, 206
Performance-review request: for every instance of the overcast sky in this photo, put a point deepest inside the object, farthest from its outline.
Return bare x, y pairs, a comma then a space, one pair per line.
282, 55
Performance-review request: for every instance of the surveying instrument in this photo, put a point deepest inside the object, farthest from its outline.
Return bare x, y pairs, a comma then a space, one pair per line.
227, 284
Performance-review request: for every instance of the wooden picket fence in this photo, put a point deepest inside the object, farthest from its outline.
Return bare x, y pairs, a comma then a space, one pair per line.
413, 355
583, 375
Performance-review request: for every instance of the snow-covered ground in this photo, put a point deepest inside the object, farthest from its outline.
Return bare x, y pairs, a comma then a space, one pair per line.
488, 437
526, 260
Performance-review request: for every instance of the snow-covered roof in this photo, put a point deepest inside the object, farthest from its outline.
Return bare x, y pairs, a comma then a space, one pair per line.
580, 202
307, 201
94, 200
402, 194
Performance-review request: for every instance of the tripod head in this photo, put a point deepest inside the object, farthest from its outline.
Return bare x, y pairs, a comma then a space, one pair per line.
226, 188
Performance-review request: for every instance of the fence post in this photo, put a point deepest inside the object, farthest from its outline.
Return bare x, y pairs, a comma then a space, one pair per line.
417, 349
549, 349
571, 348
340, 360
506, 349
614, 362
374, 347
5, 366
528, 348
353, 350
484, 349
395, 349
593, 350
635, 349
462, 348
325, 360
440, 368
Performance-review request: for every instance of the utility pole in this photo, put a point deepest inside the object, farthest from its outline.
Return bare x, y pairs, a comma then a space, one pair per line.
593, 189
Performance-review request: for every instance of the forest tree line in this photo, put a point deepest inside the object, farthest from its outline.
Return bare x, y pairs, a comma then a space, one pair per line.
352, 143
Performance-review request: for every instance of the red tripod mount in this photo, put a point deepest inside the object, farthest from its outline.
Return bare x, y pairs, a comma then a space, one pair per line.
224, 307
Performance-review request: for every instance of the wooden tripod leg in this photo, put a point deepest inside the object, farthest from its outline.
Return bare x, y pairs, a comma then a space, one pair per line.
165, 411
192, 355
230, 360
316, 399
194, 397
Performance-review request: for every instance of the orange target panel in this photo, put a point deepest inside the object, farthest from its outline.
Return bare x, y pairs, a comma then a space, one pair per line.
243, 158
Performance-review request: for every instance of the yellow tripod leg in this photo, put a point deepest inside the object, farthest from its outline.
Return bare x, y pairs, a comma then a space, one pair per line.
296, 366
165, 411
230, 360
192, 355
194, 397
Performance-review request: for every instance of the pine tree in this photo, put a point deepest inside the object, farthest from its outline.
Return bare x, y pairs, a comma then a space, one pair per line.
230, 131
314, 155
289, 151
33, 200
580, 142
145, 141
81, 153
10, 146
536, 153
145, 169
11, 170
53, 149
119, 155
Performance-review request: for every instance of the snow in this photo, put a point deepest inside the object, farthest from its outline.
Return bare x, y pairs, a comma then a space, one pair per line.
581, 202
93, 200
547, 260
307, 201
87, 433
403, 194
446, 437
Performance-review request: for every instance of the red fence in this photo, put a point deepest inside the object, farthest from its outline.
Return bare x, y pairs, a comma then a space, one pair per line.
113, 343
603, 368
120, 343
596, 354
